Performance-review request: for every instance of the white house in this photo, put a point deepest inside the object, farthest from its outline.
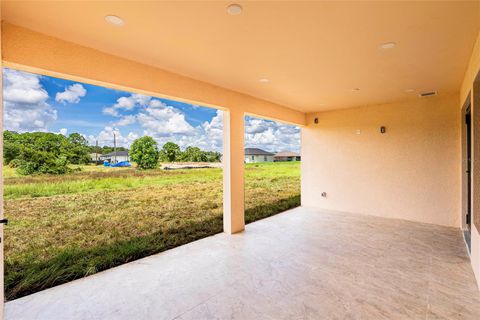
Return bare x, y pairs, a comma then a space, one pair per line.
115, 157
257, 155
94, 157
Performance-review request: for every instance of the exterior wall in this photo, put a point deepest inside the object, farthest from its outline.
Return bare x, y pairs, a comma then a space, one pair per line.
411, 172
471, 85
119, 158
257, 158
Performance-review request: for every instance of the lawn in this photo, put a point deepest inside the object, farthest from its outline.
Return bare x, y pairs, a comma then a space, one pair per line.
67, 227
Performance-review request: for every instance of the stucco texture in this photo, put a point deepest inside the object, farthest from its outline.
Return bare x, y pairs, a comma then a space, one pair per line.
410, 172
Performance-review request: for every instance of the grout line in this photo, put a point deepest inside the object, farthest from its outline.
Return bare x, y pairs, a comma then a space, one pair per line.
430, 267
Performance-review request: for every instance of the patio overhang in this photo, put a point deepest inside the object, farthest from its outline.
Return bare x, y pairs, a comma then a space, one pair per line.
336, 76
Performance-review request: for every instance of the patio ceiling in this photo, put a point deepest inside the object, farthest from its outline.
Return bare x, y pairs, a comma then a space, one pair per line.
313, 53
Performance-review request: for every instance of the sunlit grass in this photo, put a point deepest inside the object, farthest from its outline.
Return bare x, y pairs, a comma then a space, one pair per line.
66, 227
91, 181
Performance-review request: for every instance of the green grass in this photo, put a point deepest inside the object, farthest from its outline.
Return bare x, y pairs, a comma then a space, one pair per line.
90, 180
66, 227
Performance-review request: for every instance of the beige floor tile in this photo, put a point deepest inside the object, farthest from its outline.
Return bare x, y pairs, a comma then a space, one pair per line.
301, 264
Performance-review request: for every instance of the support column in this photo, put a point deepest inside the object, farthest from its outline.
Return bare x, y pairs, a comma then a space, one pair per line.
2, 293
233, 169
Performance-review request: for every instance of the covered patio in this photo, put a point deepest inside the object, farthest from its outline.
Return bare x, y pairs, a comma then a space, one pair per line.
300, 264
387, 95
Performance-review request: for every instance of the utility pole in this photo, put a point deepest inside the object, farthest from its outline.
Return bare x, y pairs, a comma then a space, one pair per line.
96, 152
114, 148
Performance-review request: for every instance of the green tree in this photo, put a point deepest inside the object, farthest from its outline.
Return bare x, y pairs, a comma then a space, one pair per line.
32, 161
170, 152
38, 152
144, 152
77, 139
11, 146
77, 150
213, 156
194, 154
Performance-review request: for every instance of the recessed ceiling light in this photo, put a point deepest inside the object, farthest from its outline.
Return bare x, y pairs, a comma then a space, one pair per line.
410, 90
388, 45
116, 21
234, 9
264, 80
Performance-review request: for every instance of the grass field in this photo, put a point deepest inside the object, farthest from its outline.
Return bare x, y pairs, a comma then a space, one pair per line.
66, 227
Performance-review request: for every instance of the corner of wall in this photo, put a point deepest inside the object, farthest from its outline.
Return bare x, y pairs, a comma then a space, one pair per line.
470, 86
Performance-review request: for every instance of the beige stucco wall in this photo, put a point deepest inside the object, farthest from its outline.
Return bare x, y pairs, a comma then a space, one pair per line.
410, 172
471, 87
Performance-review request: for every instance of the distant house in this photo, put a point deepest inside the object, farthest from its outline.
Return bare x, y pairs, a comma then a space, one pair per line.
117, 157
95, 157
257, 155
286, 156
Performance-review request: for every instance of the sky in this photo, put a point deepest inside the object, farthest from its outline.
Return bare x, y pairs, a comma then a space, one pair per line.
40, 103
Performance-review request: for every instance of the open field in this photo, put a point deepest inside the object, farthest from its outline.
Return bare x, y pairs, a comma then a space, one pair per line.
66, 227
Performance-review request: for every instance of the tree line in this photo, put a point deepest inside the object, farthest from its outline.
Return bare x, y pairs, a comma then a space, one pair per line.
51, 153
44, 152
146, 155
171, 152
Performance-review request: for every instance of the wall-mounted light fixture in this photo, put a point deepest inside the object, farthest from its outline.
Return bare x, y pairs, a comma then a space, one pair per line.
383, 129
315, 120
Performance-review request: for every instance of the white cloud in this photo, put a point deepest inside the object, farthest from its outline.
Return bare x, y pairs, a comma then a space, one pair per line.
111, 111
155, 117
72, 94
128, 103
207, 136
156, 103
63, 131
24, 99
271, 136
125, 121
106, 137
259, 133
163, 121
256, 126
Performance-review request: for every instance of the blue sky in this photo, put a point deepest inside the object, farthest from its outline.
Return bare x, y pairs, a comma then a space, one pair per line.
41, 103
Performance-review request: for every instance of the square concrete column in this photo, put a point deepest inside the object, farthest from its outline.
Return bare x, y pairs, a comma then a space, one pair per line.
1, 181
233, 168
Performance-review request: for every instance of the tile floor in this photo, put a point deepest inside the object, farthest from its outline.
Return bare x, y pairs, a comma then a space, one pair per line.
301, 264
